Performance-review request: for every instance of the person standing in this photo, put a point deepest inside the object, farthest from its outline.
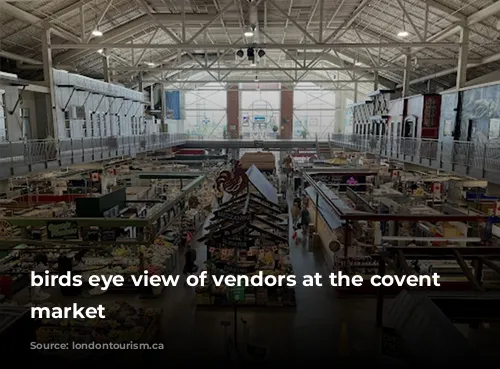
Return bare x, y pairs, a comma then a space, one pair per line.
190, 266
305, 220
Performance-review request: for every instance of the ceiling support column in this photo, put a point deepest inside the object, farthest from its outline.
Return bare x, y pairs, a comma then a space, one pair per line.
163, 100
48, 77
140, 85
105, 67
286, 127
233, 111
406, 74
340, 108
463, 56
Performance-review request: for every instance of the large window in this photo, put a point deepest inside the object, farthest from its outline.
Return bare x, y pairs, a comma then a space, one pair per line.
260, 111
118, 126
104, 126
25, 122
205, 112
67, 124
314, 111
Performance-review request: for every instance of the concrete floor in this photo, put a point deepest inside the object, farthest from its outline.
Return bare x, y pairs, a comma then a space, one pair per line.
320, 327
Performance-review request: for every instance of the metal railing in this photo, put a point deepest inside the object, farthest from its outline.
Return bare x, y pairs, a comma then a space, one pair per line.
22, 157
479, 160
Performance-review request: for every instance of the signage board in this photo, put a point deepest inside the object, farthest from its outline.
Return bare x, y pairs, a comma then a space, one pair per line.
62, 230
234, 269
109, 234
91, 234
234, 217
238, 243
237, 293
258, 144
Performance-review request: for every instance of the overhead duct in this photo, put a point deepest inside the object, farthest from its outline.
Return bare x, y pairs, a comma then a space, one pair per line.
25, 63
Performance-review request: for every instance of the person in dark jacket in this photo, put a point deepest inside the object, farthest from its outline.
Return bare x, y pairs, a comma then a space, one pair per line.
190, 261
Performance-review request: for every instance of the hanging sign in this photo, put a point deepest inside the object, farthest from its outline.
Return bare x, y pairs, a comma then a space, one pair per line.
234, 217
231, 242
62, 230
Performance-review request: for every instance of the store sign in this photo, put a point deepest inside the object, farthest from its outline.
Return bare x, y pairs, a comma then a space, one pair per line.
234, 217
62, 230
258, 144
237, 293
234, 269
109, 234
91, 234
230, 242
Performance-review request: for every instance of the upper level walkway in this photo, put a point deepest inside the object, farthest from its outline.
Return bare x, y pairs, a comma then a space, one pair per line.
478, 160
26, 157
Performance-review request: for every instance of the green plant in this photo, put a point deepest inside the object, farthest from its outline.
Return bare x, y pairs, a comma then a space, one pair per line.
275, 128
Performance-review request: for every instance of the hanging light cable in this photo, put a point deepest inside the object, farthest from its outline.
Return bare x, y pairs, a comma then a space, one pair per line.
403, 33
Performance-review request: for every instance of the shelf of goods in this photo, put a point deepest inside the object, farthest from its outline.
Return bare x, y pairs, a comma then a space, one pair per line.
161, 257
124, 324
268, 260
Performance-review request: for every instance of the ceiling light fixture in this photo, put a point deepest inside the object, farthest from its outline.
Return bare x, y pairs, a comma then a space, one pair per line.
403, 34
150, 64
96, 33
256, 79
358, 64
248, 34
100, 51
253, 64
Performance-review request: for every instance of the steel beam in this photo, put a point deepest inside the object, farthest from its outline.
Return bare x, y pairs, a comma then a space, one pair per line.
332, 46
257, 69
263, 81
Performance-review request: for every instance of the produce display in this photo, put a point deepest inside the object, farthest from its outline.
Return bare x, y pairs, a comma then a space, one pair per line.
124, 323
159, 258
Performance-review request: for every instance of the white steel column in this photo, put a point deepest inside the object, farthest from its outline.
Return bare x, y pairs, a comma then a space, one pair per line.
340, 107
163, 100
406, 74
105, 67
463, 56
48, 77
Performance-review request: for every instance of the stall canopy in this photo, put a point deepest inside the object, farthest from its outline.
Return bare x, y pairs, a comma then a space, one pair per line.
260, 182
328, 213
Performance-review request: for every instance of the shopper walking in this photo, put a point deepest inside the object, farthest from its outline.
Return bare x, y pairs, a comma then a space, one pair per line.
305, 219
